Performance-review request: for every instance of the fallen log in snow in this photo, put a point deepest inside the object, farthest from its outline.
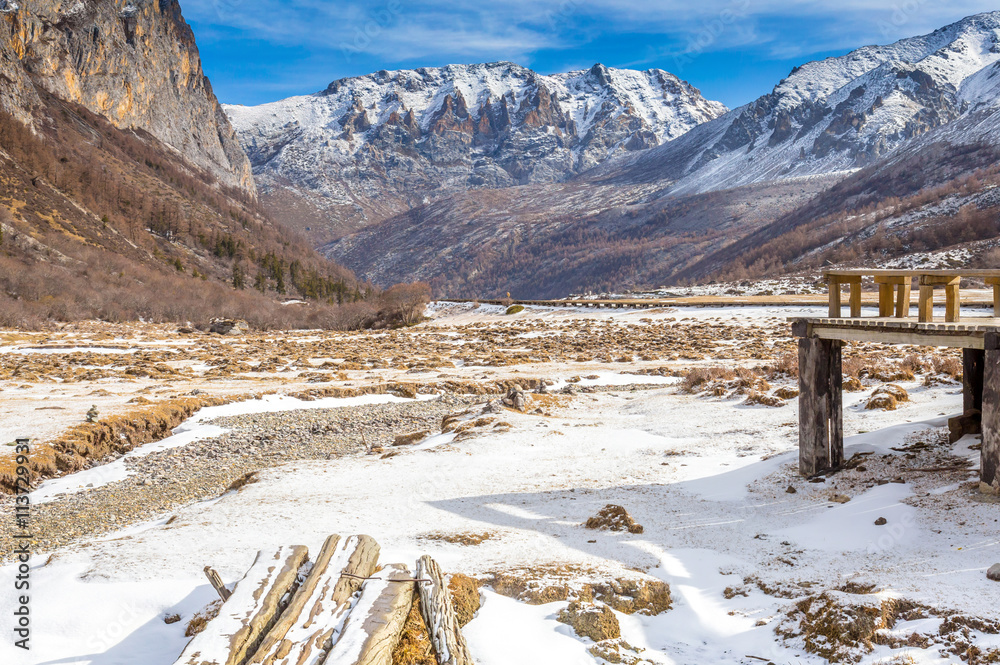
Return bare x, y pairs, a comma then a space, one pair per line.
375, 624
249, 613
312, 620
439, 615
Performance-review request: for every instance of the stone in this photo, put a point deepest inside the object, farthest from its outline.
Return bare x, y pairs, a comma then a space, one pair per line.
994, 572
598, 623
228, 327
614, 518
881, 521
887, 397
791, 490
515, 398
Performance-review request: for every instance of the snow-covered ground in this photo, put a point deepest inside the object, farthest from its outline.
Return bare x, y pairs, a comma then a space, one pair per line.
706, 478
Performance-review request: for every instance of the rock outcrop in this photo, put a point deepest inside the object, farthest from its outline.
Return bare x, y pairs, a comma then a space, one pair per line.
133, 62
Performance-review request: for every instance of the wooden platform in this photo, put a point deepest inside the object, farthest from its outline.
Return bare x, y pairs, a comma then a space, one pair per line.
821, 436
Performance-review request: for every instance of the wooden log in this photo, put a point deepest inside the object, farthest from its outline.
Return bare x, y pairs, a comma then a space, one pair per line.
217, 584
990, 453
903, 300
439, 615
249, 613
375, 624
821, 439
925, 305
311, 623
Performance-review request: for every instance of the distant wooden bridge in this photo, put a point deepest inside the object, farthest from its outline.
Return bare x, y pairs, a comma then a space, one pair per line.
866, 298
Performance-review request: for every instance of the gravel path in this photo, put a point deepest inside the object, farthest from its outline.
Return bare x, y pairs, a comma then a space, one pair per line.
165, 480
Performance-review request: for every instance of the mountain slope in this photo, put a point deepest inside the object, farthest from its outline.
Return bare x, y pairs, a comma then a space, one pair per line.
833, 115
134, 62
373, 146
123, 193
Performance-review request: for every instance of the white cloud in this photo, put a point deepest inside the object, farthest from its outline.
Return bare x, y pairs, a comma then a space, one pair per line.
398, 30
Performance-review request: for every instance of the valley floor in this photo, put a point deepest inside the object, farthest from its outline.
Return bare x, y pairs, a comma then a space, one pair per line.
659, 411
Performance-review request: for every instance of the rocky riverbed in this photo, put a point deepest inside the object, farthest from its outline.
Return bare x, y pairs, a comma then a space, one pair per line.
200, 471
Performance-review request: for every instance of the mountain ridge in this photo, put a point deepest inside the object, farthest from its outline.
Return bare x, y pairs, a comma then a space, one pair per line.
371, 146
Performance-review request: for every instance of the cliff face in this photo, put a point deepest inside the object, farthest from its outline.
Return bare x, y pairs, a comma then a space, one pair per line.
134, 62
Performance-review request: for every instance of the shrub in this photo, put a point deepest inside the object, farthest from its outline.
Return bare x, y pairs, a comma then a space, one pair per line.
515, 309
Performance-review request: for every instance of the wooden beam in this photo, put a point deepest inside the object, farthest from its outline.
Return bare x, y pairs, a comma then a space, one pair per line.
308, 626
376, 621
439, 615
821, 438
249, 613
899, 336
903, 300
990, 453
948, 279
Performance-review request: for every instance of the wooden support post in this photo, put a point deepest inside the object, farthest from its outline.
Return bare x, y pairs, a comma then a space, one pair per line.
903, 299
439, 615
995, 283
953, 301
926, 303
856, 299
821, 433
973, 363
885, 304
989, 476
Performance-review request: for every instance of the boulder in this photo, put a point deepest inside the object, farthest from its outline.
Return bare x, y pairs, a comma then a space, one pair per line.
614, 518
994, 572
597, 622
228, 327
515, 398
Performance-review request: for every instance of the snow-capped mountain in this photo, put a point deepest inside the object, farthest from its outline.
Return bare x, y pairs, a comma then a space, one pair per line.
377, 144
833, 115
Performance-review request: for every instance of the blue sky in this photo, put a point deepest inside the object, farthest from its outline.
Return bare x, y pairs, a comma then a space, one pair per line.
256, 51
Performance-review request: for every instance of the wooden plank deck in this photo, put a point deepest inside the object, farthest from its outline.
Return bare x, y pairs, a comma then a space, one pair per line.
968, 333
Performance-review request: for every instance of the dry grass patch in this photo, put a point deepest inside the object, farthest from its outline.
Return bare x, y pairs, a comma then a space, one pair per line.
469, 539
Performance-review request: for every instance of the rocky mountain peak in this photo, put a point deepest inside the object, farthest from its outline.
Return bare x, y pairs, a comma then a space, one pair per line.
404, 136
833, 115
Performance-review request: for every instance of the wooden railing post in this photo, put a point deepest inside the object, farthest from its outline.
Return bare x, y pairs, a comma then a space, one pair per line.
834, 286
903, 299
